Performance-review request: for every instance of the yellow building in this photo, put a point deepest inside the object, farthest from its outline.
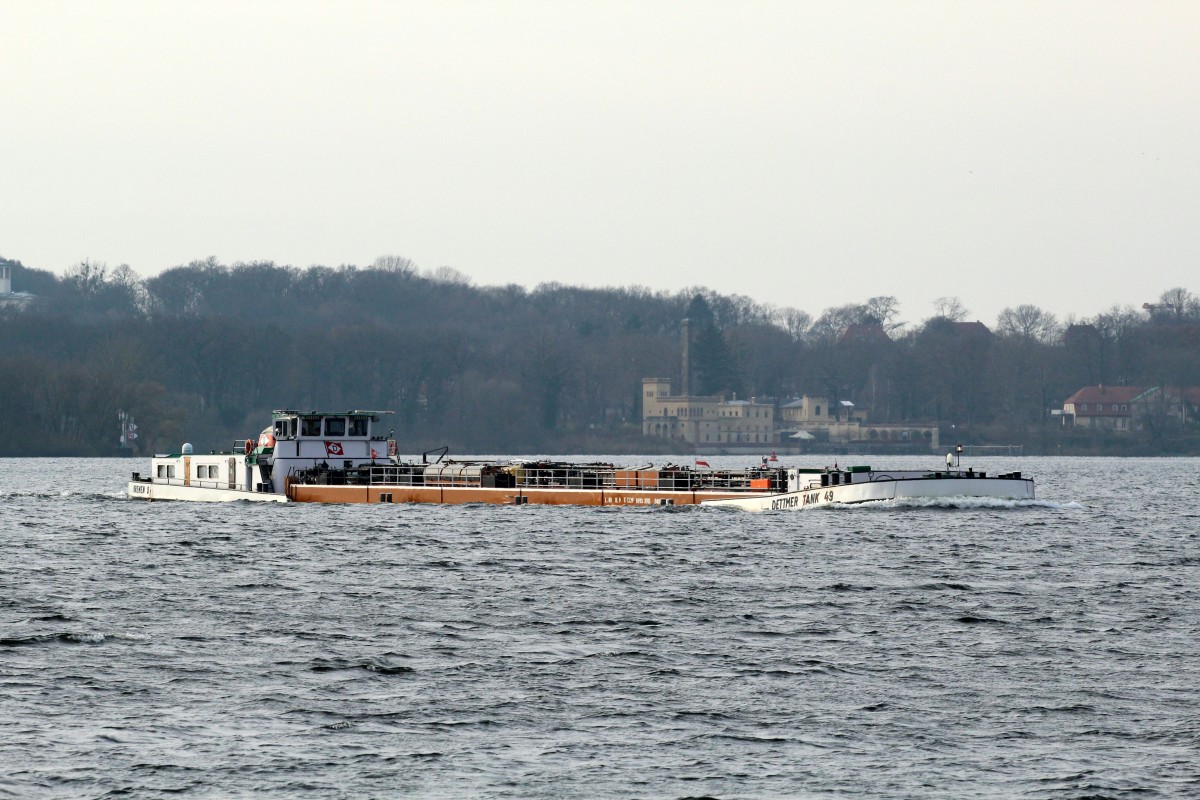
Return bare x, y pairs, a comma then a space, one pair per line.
810, 418
819, 412
705, 421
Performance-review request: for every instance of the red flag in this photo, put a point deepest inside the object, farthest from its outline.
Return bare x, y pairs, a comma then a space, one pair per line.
334, 449
701, 463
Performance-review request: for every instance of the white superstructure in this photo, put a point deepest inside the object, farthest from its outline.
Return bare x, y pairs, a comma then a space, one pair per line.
813, 488
259, 470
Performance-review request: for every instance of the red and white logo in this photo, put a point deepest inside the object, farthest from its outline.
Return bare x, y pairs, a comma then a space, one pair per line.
334, 449
374, 453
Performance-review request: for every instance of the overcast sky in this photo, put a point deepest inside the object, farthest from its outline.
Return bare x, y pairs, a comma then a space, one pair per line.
806, 154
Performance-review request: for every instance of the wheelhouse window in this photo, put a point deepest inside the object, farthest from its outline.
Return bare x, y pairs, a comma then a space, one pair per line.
358, 426
335, 426
310, 426
283, 429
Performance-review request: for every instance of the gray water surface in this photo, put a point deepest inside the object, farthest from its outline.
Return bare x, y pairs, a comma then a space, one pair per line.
1045, 649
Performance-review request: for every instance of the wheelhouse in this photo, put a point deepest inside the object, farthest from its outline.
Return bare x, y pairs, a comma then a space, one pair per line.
335, 437
298, 425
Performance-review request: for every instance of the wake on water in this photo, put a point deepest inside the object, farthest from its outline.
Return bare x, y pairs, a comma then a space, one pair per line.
900, 504
952, 503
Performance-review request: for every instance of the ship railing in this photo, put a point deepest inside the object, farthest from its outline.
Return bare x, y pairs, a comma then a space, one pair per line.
365, 475
196, 483
395, 475
993, 449
565, 476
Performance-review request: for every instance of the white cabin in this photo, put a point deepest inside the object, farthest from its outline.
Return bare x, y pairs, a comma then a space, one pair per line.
295, 441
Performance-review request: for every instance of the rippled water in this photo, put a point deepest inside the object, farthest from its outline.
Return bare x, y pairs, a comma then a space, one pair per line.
1047, 649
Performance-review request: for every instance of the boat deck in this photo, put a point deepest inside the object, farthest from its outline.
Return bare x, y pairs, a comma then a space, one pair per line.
542, 475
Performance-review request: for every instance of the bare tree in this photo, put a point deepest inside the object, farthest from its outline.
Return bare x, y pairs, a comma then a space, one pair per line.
395, 264
883, 309
1178, 305
833, 321
950, 308
87, 277
1028, 322
1118, 321
794, 321
449, 275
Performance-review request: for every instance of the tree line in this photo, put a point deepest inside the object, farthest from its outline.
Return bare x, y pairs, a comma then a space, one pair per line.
205, 351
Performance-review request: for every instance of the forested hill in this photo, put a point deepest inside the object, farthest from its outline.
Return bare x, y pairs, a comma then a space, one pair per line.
203, 352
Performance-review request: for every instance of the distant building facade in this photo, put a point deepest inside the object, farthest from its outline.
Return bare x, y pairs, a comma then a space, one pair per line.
707, 422
1101, 408
809, 411
815, 418
1131, 408
8, 297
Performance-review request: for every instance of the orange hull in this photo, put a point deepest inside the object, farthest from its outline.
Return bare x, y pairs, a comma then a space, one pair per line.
473, 494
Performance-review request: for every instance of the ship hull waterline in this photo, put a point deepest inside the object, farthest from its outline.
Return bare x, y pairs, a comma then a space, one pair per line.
443, 495
875, 491
147, 490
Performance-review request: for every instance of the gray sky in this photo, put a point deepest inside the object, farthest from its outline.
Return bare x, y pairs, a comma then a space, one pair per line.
806, 154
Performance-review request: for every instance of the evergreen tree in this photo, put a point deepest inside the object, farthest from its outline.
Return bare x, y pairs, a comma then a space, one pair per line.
714, 369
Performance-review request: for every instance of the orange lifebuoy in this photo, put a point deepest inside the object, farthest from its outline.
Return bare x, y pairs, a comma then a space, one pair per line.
249, 447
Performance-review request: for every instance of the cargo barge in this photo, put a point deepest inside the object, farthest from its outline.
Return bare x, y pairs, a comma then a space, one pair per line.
339, 457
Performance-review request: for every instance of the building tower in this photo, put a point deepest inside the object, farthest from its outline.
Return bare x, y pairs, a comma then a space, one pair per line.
685, 383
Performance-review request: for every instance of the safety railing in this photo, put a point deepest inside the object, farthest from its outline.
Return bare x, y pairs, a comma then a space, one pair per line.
545, 475
193, 482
